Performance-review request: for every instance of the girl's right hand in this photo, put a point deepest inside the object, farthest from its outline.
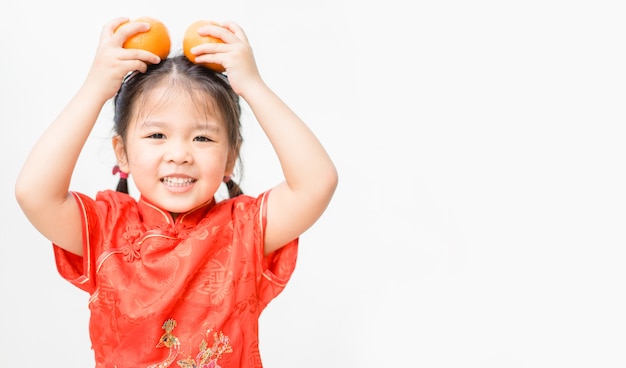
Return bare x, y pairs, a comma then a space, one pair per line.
234, 53
113, 62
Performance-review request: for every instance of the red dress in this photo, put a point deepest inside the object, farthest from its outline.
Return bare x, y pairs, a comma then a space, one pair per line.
184, 293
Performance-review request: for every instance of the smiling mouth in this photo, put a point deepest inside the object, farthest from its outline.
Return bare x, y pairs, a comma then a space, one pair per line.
177, 182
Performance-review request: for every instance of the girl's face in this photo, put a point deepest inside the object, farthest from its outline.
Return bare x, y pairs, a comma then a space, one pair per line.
177, 153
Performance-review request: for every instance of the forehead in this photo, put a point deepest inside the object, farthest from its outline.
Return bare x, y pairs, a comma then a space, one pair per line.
187, 99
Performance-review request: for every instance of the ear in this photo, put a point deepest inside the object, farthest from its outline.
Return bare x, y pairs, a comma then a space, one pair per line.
120, 154
230, 167
232, 160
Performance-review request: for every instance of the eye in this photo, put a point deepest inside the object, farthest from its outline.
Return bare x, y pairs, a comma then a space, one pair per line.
156, 136
202, 139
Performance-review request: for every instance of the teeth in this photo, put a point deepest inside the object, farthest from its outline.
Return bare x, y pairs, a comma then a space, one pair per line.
177, 181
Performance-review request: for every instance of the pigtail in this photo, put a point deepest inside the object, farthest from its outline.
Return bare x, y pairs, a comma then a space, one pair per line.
122, 185
233, 188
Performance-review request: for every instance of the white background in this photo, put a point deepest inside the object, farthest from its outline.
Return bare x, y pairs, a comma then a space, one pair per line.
479, 220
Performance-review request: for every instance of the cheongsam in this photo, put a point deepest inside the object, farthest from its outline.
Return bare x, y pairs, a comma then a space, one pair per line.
183, 293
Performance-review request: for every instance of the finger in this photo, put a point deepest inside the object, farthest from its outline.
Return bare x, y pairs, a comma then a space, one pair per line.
235, 29
210, 48
140, 55
216, 30
115, 23
109, 28
128, 66
136, 65
210, 59
125, 30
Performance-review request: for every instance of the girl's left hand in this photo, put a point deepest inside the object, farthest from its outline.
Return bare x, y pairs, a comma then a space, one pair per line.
235, 54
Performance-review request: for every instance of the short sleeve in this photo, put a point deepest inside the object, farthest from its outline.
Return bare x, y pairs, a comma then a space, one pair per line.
278, 266
76, 269
81, 271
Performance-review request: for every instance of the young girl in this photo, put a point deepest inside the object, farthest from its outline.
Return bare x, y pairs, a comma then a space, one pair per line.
176, 278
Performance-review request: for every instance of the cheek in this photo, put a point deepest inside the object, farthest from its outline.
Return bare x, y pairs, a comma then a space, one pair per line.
215, 163
139, 157
140, 161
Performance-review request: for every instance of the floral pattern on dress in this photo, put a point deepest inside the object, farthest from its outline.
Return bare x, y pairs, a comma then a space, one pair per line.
207, 357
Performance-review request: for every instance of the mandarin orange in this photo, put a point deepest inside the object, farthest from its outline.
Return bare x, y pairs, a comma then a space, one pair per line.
156, 39
192, 39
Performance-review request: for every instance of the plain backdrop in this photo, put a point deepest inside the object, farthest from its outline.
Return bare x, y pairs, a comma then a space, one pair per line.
479, 219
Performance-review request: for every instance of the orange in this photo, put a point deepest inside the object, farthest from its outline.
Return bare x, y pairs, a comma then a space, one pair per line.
156, 39
192, 39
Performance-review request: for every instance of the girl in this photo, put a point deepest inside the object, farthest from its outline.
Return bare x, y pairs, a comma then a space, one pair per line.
176, 278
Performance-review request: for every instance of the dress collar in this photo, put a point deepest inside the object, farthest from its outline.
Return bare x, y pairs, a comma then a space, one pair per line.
153, 216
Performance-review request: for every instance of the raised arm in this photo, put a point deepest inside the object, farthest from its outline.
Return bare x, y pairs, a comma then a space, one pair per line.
42, 186
310, 175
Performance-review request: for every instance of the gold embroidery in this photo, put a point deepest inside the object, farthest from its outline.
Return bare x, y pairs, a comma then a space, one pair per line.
206, 358
168, 340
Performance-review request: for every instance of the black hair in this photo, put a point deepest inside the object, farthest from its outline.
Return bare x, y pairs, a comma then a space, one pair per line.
178, 71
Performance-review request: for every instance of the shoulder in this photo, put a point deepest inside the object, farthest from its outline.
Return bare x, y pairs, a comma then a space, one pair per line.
116, 200
242, 204
106, 202
244, 213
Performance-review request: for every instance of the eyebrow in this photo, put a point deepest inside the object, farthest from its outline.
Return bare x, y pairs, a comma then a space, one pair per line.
211, 127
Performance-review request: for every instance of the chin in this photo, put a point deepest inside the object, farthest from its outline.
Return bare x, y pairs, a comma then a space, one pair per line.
176, 208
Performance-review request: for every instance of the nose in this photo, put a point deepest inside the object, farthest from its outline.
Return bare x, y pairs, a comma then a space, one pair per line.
178, 152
